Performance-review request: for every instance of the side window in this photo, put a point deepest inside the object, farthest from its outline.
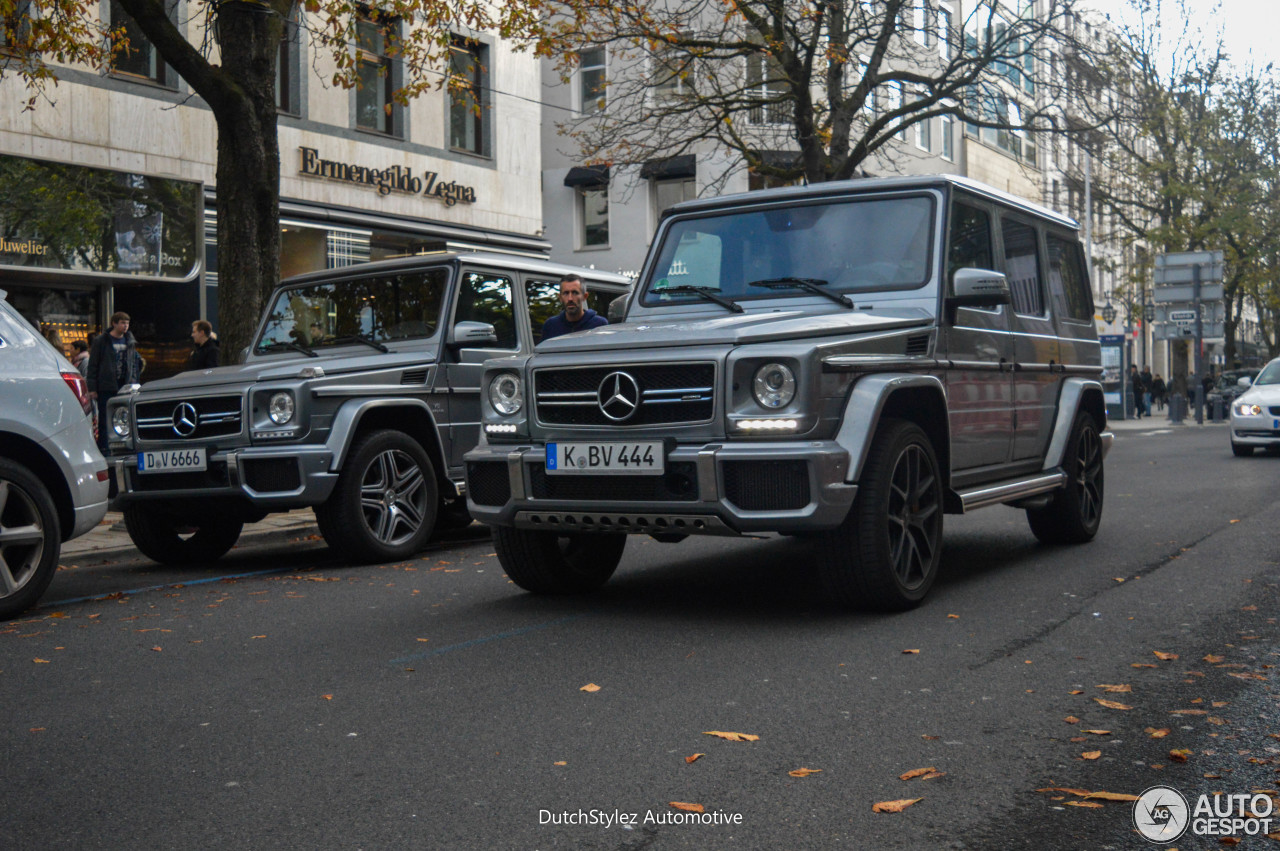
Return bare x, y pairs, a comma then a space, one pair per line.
1022, 266
1067, 276
544, 302
969, 240
488, 298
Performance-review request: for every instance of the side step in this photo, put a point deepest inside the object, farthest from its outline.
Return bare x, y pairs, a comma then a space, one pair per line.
991, 494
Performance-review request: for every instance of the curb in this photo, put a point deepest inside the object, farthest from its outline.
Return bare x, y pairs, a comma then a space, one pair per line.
81, 549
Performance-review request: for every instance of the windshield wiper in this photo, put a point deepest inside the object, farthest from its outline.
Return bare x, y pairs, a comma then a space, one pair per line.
359, 338
705, 292
813, 285
288, 344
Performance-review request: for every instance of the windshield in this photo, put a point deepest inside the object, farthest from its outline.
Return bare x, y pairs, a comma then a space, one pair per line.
384, 308
847, 245
1270, 374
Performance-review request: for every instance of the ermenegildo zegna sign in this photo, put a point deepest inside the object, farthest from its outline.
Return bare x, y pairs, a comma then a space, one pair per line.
386, 180
63, 217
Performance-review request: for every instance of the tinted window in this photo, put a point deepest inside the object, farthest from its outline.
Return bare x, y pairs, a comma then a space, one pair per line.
1067, 276
487, 298
1022, 267
969, 240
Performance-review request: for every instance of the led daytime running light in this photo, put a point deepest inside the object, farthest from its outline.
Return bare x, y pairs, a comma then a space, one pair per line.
768, 425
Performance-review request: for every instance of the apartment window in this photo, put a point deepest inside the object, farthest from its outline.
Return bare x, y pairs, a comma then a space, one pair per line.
921, 15
466, 96
667, 193
138, 57
672, 72
592, 79
924, 134
765, 84
948, 131
593, 215
895, 103
946, 21
374, 68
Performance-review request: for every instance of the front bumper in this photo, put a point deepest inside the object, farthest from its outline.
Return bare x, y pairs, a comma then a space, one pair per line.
274, 478
1255, 430
711, 489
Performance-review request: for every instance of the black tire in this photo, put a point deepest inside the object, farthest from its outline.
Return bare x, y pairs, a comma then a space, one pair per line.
383, 507
170, 539
1241, 450
30, 539
1074, 514
884, 556
452, 515
547, 563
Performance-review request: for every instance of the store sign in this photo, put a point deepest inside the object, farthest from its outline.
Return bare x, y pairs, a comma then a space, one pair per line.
386, 180
30, 246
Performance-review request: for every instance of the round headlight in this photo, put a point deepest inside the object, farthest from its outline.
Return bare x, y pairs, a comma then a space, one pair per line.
280, 409
774, 385
120, 422
506, 394
1245, 409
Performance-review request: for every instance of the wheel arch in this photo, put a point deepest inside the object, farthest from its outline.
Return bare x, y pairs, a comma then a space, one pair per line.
1078, 394
919, 399
411, 416
28, 453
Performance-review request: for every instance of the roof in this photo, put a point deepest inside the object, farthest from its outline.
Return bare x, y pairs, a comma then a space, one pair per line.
867, 185
511, 261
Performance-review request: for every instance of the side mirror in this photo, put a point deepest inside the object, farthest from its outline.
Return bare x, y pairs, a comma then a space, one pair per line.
468, 333
1244, 381
617, 310
977, 288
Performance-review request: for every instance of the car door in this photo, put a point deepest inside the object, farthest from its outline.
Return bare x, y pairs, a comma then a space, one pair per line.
1037, 362
482, 296
978, 347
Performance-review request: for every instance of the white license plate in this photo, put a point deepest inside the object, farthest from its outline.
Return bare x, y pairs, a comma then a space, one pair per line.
172, 461
640, 458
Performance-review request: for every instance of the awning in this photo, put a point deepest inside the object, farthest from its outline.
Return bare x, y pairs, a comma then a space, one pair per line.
670, 168
780, 159
587, 175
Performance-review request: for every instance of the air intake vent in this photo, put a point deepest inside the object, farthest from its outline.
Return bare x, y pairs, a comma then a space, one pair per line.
918, 344
414, 376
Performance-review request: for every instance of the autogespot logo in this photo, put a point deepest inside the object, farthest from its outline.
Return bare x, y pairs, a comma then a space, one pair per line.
1161, 814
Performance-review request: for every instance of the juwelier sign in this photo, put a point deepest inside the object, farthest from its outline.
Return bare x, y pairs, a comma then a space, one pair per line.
386, 180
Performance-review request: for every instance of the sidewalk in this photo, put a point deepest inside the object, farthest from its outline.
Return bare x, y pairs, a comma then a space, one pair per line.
110, 539
1159, 420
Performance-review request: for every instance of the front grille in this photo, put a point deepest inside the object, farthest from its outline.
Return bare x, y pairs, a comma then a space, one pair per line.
214, 477
272, 474
668, 394
488, 483
215, 416
678, 484
767, 485
1274, 410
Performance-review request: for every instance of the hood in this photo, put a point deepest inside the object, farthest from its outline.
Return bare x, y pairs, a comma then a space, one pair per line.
1261, 394
283, 367
735, 329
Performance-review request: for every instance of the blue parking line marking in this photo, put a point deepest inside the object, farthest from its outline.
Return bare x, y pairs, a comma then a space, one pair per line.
475, 642
167, 586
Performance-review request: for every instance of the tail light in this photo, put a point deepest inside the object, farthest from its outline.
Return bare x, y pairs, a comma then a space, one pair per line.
80, 387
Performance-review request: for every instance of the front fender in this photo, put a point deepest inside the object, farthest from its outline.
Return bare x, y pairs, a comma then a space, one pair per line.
868, 402
1077, 394
347, 420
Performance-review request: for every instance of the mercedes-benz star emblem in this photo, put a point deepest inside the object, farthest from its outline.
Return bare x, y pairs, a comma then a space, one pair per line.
618, 396
185, 419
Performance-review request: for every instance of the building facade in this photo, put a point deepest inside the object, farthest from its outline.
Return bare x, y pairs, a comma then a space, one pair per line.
112, 181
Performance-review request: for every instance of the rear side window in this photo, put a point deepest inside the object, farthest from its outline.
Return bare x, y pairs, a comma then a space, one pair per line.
969, 240
1022, 267
487, 298
1067, 276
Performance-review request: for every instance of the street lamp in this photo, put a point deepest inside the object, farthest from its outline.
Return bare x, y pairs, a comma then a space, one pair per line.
1148, 307
1108, 313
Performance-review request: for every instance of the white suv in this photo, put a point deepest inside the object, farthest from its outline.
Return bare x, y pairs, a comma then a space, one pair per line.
53, 481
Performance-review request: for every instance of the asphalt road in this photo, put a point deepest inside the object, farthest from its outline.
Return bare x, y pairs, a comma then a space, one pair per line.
430, 704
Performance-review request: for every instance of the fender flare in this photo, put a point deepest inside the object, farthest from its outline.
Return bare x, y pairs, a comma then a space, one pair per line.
1076, 394
347, 421
865, 405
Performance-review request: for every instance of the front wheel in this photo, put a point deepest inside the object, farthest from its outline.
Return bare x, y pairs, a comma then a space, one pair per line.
1074, 514
383, 507
170, 539
30, 539
547, 563
885, 554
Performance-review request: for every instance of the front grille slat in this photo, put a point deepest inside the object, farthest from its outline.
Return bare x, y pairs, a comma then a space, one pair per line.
569, 396
216, 416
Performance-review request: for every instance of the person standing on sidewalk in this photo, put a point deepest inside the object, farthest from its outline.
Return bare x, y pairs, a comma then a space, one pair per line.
205, 354
1137, 389
1158, 390
114, 362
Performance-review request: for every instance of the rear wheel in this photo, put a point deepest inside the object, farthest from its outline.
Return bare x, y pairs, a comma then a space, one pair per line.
30, 539
885, 554
547, 563
1074, 514
170, 539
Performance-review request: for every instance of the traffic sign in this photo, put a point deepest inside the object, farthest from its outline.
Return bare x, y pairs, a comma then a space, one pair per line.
1182, 316
1186, 292
1186, 274
1188, 258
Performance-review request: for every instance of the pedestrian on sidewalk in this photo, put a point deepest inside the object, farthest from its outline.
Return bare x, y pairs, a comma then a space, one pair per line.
1137, 389
1158, 390
114, 362
205, 354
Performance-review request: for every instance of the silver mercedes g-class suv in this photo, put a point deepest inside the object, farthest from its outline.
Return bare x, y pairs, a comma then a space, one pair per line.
847, 362
358, 397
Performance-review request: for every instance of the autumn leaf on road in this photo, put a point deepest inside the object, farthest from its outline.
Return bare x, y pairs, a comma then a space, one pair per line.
1071, 719
912, 652
804, 772
590, 687
732, 737
1098, 732
1111, 704
688, 808
894, 806
1090, 804
1165, 657
1112, 796
1214, 659
916, 772
1115, 688
1179, 755
694, 758
1091, 754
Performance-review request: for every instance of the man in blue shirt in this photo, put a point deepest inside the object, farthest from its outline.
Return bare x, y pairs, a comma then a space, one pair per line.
576, 315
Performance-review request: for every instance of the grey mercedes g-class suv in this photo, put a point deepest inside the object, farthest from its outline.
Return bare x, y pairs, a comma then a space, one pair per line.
845, 362
358, 397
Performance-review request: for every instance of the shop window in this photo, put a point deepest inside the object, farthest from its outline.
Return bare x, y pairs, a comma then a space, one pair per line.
592, 79
376, 74
138, 57
487, 298
467, 102
593, 214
